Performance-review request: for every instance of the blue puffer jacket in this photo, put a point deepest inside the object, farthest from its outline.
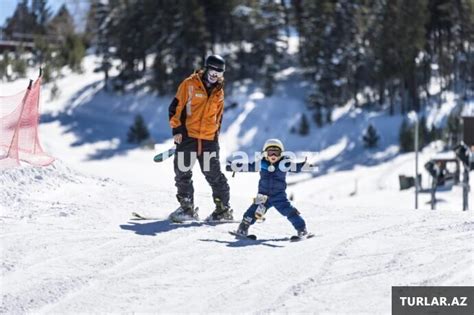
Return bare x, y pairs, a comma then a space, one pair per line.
272, 177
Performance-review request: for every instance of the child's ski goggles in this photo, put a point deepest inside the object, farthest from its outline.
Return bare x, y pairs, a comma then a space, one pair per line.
273, 152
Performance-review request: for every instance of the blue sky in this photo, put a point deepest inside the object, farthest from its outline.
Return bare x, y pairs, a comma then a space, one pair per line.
76, 7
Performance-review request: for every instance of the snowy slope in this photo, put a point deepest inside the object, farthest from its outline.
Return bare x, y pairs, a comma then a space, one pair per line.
69, 245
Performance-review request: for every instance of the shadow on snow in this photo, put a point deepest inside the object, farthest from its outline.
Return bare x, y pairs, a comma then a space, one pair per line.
94, 115
156, 227
244, 242
163, 226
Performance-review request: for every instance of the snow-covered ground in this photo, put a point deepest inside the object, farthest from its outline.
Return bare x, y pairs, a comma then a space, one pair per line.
69, 244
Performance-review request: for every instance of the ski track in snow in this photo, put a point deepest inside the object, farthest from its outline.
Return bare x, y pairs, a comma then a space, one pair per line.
69, 244
334, 271
82, 252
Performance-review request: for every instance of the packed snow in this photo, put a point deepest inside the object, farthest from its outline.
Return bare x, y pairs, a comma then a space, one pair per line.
70, 245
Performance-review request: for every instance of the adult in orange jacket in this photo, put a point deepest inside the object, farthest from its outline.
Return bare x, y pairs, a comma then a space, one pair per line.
195, 116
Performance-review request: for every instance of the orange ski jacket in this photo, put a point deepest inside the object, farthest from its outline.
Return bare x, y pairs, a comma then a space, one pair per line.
193, 112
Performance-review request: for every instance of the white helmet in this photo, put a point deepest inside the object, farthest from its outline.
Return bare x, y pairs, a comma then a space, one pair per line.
273, 143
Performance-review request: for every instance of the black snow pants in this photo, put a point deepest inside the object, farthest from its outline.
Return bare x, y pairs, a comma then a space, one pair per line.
206, 152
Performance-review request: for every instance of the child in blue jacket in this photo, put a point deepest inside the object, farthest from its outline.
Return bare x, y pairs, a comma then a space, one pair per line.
271, 187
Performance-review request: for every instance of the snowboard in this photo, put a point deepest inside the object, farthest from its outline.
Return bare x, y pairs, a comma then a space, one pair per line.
160, 157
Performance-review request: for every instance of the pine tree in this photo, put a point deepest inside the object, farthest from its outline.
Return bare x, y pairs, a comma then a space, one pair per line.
406, 136
161, 32
19, 63
304, 126
435, 133
452, 130
4, 63
127, 34
318, 117
45, 56
71, 47
244, 63
182, 42
74, 51
412, 40
96, 34
269, 43
22, 20
397, 45
42, 14
383, 43
423, 133
62, 24
346, 47
332, 39
190, 42
371, 137
138, 132
219, 20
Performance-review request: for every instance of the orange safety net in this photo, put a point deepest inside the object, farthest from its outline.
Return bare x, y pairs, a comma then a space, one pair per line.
19, 119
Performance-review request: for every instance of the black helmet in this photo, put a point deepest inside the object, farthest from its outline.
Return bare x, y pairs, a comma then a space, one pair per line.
215, 62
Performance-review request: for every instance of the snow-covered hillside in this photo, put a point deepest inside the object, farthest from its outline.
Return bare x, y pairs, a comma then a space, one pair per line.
69, 244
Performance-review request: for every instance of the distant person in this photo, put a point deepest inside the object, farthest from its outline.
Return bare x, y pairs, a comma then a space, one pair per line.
195, 116
272, 188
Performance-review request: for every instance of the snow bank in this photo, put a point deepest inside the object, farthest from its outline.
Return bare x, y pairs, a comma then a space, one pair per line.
23, 184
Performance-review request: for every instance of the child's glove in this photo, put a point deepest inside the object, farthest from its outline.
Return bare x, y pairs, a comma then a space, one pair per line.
260, 201
260, 212
229, 167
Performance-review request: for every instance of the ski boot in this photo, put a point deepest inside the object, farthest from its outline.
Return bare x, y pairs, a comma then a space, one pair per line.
185, 212
221, 213
243, 228
301, 235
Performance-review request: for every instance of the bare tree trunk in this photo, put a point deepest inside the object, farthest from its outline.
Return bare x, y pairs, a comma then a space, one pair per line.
144, 66
382, 92
391, 95
404, 97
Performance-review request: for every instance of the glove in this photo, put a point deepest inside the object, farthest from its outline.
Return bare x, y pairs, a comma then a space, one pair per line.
260, 212
260, 200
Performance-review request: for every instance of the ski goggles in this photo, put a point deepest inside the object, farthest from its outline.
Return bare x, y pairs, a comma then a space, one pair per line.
215, 73
215, 69
274, 152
